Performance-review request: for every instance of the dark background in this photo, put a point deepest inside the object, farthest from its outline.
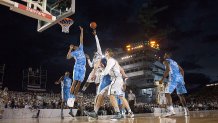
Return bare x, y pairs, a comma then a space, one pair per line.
193, 40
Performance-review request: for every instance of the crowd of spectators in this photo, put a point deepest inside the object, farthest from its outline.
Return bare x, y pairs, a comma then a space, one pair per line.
86, 102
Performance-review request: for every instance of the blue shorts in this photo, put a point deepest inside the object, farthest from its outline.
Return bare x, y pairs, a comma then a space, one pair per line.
67, 94
119, 101
104, 84
79, 73
177, 83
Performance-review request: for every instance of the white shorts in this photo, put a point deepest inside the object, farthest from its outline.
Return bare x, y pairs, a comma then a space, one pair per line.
162, 99
97, 79
116, 86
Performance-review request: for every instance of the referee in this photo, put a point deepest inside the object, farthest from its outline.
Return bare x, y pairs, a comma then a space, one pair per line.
131, 99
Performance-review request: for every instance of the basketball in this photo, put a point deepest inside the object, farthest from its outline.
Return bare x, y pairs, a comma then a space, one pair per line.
93, 25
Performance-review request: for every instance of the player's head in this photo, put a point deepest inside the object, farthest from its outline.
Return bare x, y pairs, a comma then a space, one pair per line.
109, 52
74, 46
130, 91
104, 62
67, 74
167, 55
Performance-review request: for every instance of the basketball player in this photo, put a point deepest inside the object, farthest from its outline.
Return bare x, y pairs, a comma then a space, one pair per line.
116, 86
94, 76
80, 64
119, 101
102, 90
66, 82
176, 81
161, 97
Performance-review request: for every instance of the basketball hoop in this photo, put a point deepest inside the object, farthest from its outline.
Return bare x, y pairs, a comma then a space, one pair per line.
65, 24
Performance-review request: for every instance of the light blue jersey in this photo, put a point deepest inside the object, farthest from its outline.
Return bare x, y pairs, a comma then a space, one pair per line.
174, 71
176, 80
66, 89
79, 56
80, 64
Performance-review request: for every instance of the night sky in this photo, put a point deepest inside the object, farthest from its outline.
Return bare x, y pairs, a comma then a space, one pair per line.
193, 42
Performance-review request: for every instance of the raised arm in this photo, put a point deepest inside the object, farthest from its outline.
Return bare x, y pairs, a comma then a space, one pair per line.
89, 61
81, 35
97, 43
69, 52
59, 81
166, 73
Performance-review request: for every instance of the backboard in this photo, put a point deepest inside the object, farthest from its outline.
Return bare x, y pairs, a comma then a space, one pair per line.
58, 8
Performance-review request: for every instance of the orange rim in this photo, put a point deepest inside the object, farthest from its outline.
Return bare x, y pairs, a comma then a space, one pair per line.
67, 19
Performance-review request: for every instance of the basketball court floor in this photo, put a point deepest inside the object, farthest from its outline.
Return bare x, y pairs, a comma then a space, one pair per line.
195, 117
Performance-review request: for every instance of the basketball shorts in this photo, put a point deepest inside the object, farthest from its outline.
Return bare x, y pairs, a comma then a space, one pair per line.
116, 86
97, 79
67, 94
119, 101
79, 73
162, 99
176, 83
104, 84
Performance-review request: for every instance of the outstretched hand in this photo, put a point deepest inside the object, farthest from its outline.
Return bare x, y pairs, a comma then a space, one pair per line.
94, 32
160, 82
71, 46
56, 83
81, 29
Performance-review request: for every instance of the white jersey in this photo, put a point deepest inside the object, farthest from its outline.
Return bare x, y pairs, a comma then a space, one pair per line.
161, 95
112, 68
98, 55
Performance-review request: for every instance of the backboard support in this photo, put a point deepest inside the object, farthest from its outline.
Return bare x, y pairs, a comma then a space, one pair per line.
60, 9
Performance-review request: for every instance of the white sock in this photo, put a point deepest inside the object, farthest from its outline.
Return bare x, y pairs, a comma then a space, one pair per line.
96, 109
129, 111
171, 108
117, 109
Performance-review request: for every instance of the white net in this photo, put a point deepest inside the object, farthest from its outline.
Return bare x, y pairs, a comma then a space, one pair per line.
65, 24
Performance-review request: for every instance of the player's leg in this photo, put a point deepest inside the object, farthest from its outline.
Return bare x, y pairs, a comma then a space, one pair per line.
181, 90
71, 108
80, 78
102, 89
126, 105
62, 108
73, 86
89, 80
85, 86
99, 98
114, 90
114, 103
183, 101
169, 88
169, 99
120, 104
77, 88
